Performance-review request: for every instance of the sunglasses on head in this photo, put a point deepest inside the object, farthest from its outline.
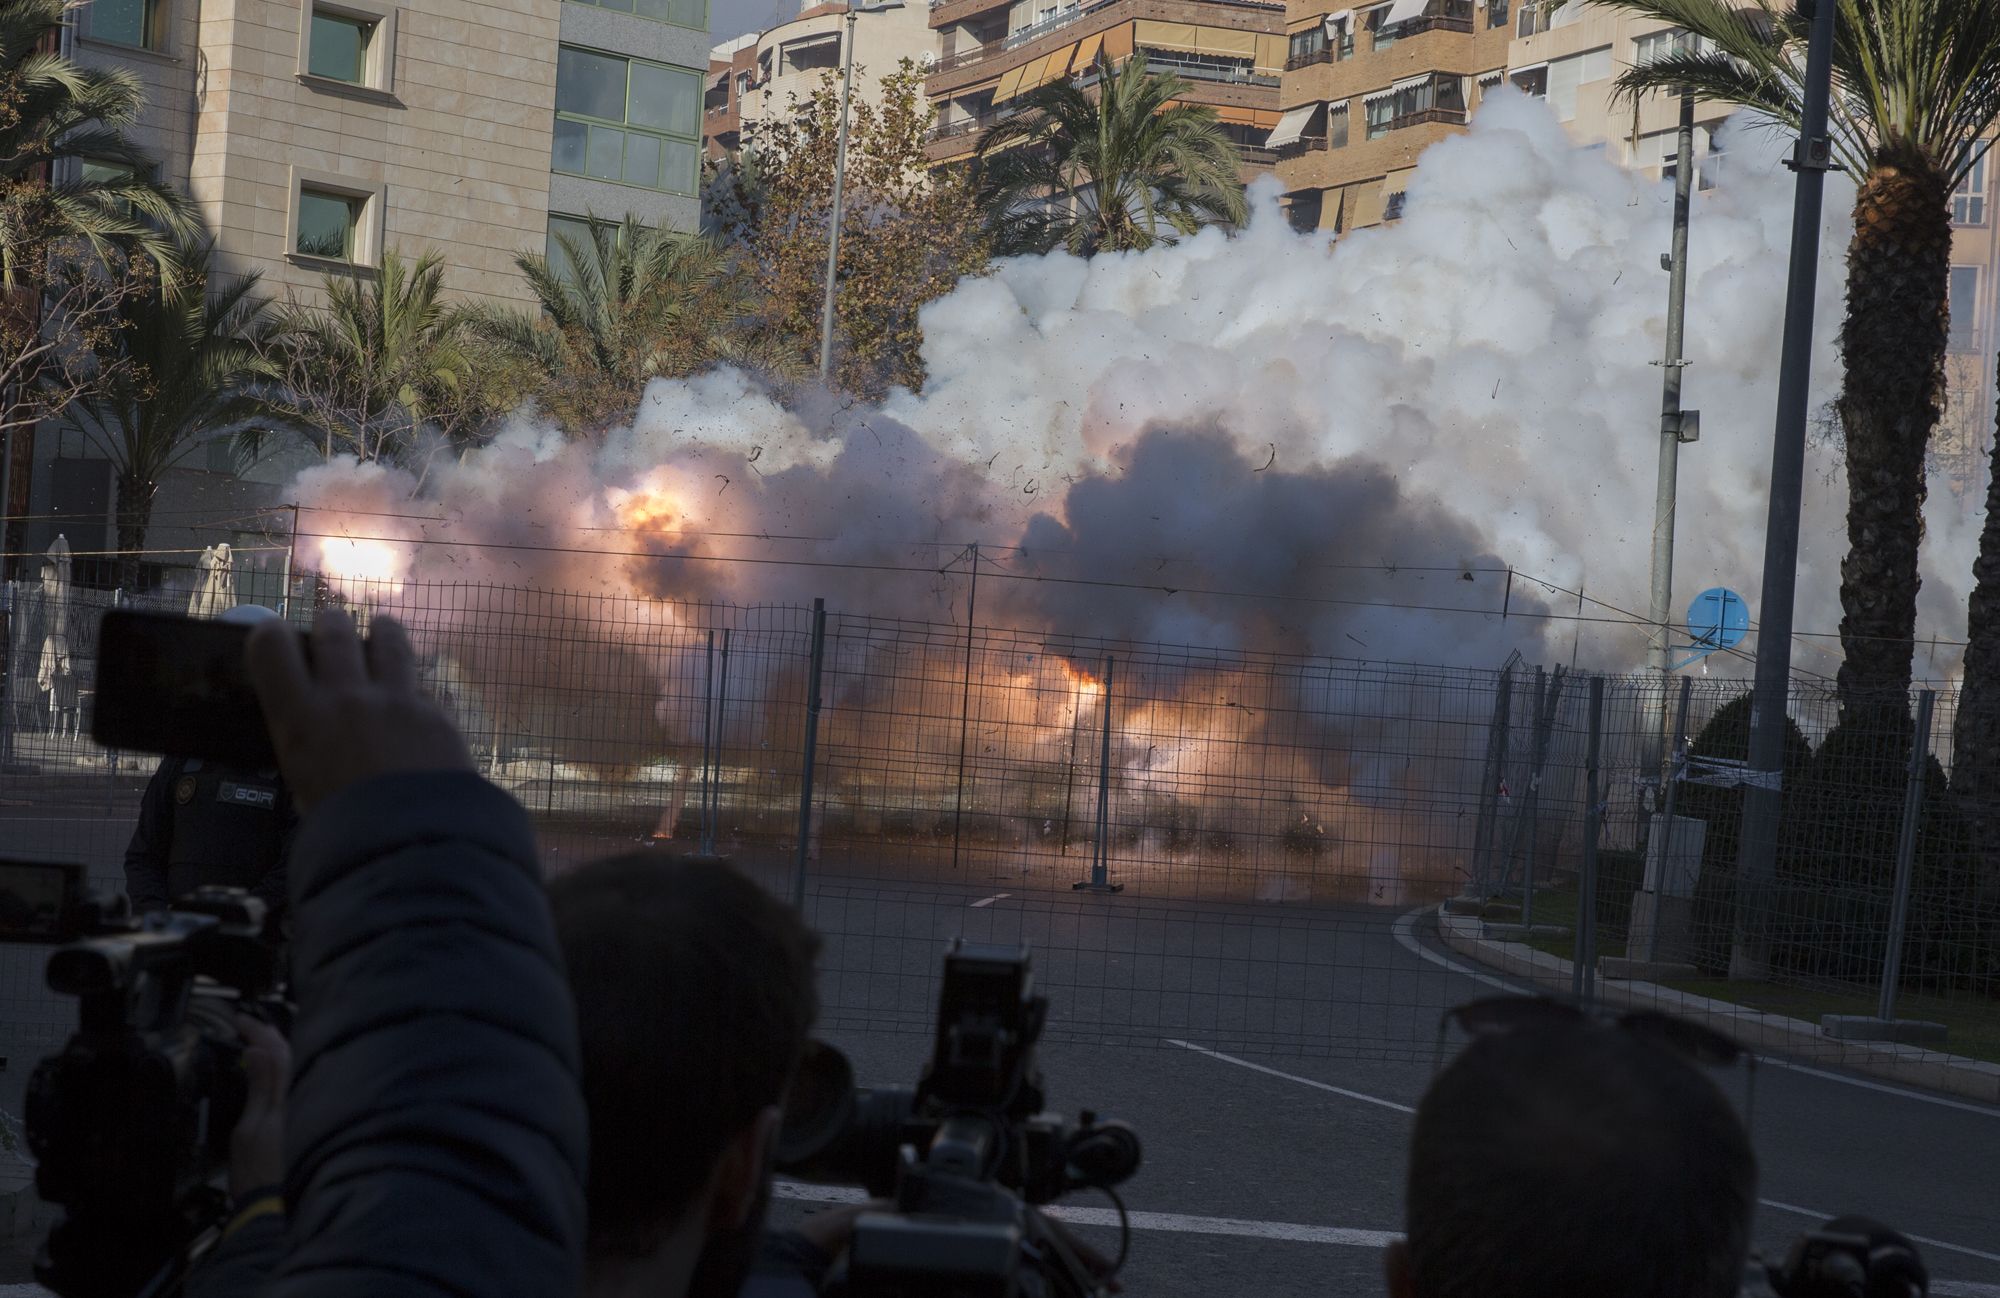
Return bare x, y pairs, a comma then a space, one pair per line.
1694, 1042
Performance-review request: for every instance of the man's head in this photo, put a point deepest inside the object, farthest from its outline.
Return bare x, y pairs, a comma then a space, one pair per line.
694, 995
1575, 1159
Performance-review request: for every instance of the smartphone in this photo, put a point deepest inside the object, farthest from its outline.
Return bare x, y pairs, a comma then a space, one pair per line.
40, 901
178, 686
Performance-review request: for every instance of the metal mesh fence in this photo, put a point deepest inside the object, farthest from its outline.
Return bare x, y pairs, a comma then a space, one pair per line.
1278, 853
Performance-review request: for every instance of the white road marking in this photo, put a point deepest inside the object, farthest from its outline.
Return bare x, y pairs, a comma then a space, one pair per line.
1409, 943
1963, 1289
1290, 1077
1404, 1108
1174, 1222
1404, 936
988, 901
1933, 1243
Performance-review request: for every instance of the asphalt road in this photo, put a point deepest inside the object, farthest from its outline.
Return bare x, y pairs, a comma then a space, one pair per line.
1266, 1052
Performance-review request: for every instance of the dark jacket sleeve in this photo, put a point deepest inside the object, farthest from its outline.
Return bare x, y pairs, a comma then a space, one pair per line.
146, 854
274, 889
435, 1138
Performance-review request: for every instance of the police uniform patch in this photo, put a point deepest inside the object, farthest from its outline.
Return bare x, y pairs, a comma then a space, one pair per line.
247, 795
184, 790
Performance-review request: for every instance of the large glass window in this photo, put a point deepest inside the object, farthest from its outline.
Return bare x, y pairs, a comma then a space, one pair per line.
1964, 307
327, 223
1968, 201
127, 22
618, 119
1308, 46
338, 47
681, 13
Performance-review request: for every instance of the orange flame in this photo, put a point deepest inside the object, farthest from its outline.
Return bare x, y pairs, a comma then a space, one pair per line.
1083, 680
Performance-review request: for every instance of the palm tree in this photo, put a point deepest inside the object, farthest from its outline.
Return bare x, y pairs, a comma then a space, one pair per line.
1916, 83
1104, 174
622, 306
385, 360
188, 369
55, 115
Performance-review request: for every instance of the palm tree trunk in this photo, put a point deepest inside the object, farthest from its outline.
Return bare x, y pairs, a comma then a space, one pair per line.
1975, 767
1892, 348
135, 514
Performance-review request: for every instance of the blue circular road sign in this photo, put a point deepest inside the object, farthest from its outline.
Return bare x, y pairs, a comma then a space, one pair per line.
1718, 619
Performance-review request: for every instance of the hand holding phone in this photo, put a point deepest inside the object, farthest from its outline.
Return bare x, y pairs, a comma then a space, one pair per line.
343, 715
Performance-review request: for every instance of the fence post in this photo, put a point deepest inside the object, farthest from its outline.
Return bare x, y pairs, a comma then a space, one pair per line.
1100, 850
713, 811
1672, 778
703, 836
964, 709
1583, 956
9, 608
1494, 771
1906, 852
812, 745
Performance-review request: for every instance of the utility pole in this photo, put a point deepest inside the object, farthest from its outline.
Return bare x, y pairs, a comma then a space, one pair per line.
1763, 797
839, 184
1676, 426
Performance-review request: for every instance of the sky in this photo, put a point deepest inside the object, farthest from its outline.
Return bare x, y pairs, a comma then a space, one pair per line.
728, 19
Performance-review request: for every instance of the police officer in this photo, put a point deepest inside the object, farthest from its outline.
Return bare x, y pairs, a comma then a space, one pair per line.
202, 823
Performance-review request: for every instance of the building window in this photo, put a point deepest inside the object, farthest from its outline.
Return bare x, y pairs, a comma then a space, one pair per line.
1496, 13
1392, 207
1654, 46
349, 43
1964, 307
338, 47
681, 13
580, 231
1308, 46
129, 22
1380, 37
1533, 18
628, 121
329, 224
97, 171
1336, 127
1968, 201
815, 54
1380, 113
1303, 209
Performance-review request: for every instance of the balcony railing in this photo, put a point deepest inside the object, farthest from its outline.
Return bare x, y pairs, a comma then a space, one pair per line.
1449, 116
969, 125
1435, 23
964, 57
1257, 155
1303, 145
1324, 54
1204, 72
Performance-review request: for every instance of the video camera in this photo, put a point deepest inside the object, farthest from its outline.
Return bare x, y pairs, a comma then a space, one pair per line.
130, 1123
966, 1156
1849, 1257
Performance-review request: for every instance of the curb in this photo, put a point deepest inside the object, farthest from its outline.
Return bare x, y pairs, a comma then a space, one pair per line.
1764, 1033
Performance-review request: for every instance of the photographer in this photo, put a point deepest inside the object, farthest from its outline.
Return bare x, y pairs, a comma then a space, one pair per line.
434, 1134
201, 823
694, 994
1563, 1155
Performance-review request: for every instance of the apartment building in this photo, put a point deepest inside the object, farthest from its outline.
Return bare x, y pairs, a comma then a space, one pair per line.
992, 52
315, 135
1367, 90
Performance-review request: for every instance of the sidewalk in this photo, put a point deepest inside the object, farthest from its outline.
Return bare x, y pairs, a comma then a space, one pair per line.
1764, 1033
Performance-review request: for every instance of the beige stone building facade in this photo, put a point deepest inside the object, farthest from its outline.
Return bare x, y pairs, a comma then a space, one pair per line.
314, 135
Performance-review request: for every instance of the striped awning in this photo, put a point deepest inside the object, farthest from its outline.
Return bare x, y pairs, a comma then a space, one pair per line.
1010, 84
1292, 125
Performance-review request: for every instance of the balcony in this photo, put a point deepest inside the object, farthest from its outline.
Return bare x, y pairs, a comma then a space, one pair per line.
1303, 145
1256, 155
1203, 72
964, 57
1427, 116
968, 125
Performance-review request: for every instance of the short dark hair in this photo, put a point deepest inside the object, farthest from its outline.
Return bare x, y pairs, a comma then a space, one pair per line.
1577, 1159
694, 994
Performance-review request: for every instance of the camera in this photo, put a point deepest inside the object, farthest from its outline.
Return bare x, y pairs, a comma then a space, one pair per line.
130, 1122
966, 1156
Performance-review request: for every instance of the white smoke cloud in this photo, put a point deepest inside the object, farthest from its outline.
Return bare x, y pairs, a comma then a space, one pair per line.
1476, 388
